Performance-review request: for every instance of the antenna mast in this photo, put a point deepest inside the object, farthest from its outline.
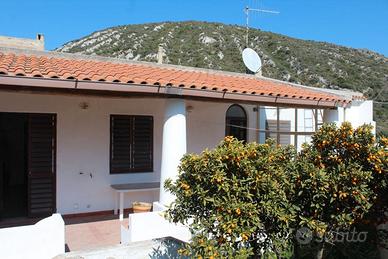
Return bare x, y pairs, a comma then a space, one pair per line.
246, 11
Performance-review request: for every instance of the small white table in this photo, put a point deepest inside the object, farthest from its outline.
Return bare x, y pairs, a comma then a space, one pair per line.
130, 187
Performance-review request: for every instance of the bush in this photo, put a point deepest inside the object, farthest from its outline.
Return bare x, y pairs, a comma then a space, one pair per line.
236, 196
337, 178
242, 200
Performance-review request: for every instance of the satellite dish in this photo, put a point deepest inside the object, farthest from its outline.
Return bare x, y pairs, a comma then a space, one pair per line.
251, 60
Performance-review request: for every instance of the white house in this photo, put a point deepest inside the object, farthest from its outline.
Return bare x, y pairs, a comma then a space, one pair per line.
71, 125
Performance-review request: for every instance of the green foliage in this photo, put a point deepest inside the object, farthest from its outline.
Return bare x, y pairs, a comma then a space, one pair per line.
335, 148
236, 197
338, 178
243, 200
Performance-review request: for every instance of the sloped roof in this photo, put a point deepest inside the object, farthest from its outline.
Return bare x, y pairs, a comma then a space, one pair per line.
81, 68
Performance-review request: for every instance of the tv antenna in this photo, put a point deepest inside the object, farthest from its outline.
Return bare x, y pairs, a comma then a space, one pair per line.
247, 10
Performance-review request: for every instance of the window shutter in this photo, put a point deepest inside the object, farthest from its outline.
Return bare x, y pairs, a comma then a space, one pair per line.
41, 165
142, 159
131, 144
120, 143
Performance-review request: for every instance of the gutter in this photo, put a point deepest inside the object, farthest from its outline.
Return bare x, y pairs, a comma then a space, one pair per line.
37, 83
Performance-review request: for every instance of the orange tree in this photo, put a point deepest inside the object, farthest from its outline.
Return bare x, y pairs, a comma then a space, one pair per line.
241, 200
336, 180
234, 198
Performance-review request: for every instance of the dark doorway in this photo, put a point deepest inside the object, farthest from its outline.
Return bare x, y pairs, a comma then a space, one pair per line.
236, 122
13, 165
27, 165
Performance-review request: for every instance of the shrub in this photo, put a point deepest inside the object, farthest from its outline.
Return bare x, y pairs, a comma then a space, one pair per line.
243, 200
236, 197
337, 178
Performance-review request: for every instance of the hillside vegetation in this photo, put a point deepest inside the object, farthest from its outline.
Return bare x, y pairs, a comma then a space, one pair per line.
219, 46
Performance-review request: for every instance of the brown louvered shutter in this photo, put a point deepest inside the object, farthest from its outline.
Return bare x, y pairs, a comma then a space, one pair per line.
41, 165
120, 144
131, 147
142, 143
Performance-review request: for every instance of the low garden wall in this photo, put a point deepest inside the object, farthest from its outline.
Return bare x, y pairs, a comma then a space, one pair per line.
45, 239
152, 225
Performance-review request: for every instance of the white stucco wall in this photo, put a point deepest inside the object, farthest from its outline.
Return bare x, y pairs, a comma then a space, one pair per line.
335, 115
152, 225
45, 239
83, 139
358, 113
206, 124
174, 145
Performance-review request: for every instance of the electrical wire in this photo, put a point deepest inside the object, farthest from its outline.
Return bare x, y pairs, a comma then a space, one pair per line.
380, 102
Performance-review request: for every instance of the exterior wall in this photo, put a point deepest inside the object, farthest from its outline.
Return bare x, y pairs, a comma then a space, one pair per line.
359, 113
20, 43
45, 239
151, 225
206, 124
83, 139
335, 115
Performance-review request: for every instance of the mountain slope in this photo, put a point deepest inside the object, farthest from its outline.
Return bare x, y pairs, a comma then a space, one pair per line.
219, 46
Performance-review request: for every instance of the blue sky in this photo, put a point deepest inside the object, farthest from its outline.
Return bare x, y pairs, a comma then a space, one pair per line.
355, 23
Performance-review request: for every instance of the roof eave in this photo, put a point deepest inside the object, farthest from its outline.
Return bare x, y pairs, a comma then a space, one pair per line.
52, 84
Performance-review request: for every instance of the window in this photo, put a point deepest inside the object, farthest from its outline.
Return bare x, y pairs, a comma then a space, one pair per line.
131, 144
287, 125
236, 122
273, 132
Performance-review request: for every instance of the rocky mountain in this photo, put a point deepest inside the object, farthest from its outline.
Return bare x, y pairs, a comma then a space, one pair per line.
219, 46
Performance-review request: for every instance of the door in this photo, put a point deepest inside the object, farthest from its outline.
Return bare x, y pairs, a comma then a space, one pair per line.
13, 165
41, 165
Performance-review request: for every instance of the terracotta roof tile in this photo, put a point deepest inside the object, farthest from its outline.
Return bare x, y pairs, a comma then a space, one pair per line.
33, 65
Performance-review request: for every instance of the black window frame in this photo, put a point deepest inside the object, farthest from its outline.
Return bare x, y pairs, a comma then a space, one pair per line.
132, 168
243, 124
